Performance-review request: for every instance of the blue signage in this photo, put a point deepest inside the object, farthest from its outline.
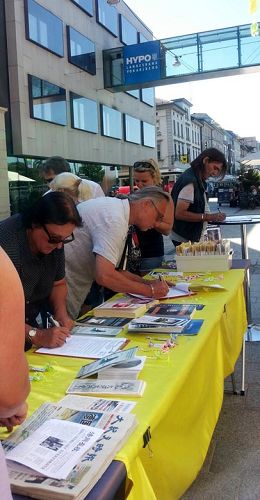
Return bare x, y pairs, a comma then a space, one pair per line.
142, 62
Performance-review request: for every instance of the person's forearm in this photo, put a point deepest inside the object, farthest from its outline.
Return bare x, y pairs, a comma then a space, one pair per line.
133, 277
120, 282
58, 298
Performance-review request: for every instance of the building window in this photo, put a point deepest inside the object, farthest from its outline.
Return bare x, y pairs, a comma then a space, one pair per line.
132, 129
107, 16
128, 33
174, 127
134, 93
148, 134
43, 28
147, 96
111, 120
159, 151
47, 101
86, 5
84, 114
81, 51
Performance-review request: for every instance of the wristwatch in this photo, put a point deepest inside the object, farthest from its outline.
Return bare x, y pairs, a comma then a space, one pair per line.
32, 333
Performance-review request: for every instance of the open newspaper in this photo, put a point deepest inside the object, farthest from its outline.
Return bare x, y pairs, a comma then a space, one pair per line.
91, 465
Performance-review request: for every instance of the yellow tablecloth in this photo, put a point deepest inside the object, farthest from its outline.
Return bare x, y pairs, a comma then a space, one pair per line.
183, 397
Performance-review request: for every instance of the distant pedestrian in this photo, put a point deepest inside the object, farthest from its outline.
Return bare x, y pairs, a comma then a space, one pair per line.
190, 200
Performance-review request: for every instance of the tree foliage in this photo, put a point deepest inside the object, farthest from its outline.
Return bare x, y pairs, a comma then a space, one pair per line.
93, 172
248, 177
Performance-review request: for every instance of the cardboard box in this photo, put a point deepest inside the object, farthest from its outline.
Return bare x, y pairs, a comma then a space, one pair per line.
204, 263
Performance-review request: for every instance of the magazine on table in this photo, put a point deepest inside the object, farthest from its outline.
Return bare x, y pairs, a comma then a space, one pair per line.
124, 371
104, 322
175, 310
157, 324
106, 405
112, 359
193, 327
126, 306
86, 347
129, 388
90, 466
96, 331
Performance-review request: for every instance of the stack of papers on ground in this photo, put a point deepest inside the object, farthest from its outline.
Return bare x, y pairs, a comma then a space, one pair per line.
129, 388
126, 307
90, 466
86, 347
157, 324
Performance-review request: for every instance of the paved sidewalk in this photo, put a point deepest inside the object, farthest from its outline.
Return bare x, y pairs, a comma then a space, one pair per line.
231, 470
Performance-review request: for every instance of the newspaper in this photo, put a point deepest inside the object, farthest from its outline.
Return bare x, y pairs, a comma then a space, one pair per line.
97, 404
55, 447
92, 464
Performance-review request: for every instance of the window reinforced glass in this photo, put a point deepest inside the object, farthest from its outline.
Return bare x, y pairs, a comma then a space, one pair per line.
107, 16
43, 28
81, 51
47, 101
84, 115
148, 134
111, 122
86, 5
128, 33
132, 128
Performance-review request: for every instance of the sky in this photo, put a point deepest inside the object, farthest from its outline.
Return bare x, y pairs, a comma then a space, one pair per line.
233, 102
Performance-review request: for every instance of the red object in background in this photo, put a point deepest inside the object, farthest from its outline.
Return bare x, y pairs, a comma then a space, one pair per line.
125, 189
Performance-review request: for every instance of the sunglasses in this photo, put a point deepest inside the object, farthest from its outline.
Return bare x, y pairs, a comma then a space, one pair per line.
160, 216
55, 240
144, 165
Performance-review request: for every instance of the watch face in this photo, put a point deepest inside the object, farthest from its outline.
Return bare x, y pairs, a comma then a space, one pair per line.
32, 333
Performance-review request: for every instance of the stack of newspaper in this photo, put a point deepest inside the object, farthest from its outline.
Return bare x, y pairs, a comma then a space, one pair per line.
109, 433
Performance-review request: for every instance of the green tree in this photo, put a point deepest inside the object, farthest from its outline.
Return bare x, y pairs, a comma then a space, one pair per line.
93, 172
248, 177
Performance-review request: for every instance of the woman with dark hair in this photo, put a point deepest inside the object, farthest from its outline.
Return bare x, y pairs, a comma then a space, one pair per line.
189, 197
34, 242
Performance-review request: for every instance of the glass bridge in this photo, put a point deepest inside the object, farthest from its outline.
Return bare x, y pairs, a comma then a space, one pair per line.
209, 54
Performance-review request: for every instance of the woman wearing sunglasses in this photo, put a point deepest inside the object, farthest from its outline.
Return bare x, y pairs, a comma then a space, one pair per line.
34, 242
147, 173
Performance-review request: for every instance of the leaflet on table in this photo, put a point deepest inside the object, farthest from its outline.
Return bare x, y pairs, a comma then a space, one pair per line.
55, 447
97, 404
238, 219
91, 465
104, 322
95, 331
118, 387
124, 371
86, 347
112, 359
157, 324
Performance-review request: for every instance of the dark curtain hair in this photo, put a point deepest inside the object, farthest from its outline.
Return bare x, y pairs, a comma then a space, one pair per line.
52, 208
56, 163
212, 154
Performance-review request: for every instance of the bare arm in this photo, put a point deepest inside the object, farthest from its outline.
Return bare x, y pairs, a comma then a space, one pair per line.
14, 378
108, 276
182, 213
57, 300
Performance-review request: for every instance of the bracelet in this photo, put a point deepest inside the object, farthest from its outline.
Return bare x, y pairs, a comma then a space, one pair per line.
152, 289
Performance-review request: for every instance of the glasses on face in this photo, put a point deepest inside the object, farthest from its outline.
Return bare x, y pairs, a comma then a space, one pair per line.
144, 165
160, 216
55, 240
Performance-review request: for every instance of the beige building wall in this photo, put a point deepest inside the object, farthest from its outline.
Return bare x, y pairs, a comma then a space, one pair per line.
38, 138
4, 185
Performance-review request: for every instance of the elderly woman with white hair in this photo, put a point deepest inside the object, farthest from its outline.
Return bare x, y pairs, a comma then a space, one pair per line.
74, 186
